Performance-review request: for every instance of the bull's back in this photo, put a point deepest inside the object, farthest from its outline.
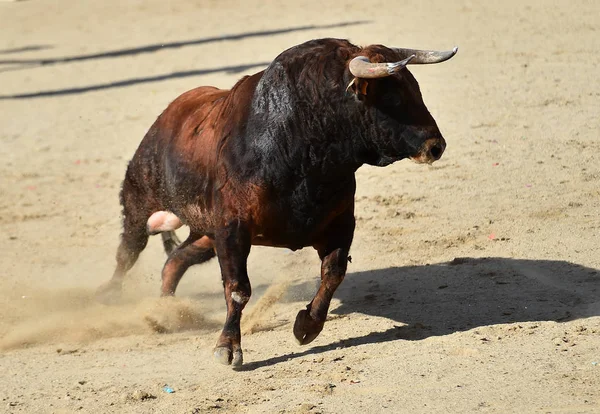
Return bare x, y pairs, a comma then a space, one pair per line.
182, 137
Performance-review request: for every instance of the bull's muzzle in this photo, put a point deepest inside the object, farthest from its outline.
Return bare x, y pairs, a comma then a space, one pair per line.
430, 151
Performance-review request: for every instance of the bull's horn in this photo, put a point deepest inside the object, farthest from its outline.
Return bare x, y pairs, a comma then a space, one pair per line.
423, 57
361, 67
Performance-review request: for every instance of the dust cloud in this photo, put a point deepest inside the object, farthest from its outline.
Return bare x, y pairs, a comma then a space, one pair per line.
42, 316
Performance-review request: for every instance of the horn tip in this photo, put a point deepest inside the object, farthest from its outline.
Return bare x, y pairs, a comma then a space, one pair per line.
455, 49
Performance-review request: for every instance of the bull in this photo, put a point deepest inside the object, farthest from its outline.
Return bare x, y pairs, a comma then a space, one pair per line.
272, 162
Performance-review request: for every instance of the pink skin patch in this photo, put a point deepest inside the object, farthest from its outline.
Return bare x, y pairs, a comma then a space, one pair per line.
163, 221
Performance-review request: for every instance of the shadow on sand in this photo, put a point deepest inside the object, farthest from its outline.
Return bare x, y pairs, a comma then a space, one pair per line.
161, 46
23, 49
32, 62
134, 81
466, 293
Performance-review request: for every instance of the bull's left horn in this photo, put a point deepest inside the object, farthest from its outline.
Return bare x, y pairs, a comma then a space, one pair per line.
361, 67
424, 57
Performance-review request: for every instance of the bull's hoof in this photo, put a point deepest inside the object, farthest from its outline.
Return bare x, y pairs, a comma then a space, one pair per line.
226, 356
109, 293
306, 329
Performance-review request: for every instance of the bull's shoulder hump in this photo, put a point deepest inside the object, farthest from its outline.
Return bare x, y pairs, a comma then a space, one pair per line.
200, 95
191, 102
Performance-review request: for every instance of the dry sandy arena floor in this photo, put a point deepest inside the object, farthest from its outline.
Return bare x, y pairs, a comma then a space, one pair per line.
475, 284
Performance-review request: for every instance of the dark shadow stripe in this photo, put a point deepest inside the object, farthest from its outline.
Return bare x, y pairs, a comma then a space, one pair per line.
134, 81
173, 45
31, 48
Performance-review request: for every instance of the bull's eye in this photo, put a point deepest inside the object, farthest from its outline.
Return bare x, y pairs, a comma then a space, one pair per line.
392, 99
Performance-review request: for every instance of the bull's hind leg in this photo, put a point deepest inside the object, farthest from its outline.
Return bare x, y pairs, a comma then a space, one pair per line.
195, 250
136, 210
133, 241
334, 255
233, 246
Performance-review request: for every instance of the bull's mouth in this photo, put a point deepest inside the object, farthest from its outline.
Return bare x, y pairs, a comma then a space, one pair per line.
431, 150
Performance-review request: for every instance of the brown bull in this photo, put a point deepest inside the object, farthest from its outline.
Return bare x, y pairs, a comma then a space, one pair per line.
271, 162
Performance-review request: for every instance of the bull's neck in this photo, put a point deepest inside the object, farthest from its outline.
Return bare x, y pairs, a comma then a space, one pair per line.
306, 153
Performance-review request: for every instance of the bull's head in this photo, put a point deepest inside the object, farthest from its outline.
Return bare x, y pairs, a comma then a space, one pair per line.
398, 122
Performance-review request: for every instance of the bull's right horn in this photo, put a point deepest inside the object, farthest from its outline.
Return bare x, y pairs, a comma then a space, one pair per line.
424, 57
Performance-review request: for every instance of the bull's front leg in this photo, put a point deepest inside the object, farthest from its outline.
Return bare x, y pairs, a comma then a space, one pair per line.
334, 255
233, 246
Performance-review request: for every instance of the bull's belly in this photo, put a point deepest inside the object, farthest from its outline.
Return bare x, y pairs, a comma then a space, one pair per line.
288, 241
274, 235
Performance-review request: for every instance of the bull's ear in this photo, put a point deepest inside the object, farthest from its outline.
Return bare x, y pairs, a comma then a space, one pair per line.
359, 87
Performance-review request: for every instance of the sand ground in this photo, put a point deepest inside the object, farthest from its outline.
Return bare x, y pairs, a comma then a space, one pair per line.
474, 285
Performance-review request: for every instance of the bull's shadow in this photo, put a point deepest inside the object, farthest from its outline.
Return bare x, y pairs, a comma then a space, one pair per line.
466, 293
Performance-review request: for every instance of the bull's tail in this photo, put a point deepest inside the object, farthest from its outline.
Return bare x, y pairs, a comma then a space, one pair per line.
170, 241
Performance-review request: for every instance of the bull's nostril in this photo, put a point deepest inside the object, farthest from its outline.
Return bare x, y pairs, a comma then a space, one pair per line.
436, 151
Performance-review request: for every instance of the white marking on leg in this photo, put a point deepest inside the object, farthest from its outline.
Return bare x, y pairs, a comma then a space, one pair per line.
239, 298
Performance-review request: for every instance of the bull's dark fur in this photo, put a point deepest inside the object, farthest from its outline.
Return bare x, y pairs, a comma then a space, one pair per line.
270, 162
